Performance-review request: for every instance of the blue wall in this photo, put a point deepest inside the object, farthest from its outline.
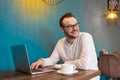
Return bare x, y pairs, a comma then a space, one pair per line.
33, 23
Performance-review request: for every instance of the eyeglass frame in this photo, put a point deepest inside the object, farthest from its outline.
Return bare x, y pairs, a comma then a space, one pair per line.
71, 26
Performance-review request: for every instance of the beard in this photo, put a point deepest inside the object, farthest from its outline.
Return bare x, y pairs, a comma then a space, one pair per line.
70, 35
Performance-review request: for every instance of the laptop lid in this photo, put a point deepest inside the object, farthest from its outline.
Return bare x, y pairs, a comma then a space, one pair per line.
20, 58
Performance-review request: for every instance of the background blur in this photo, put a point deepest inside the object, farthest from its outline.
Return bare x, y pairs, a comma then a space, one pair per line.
36, 24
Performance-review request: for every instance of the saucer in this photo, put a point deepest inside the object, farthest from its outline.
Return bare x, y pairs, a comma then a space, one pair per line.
60, 71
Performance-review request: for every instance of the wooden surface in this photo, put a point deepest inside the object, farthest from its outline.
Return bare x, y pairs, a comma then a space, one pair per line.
81, 75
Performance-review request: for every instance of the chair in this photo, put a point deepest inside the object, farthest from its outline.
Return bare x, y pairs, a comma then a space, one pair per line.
109, 64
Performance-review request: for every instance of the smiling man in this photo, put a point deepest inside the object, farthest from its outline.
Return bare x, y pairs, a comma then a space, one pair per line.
75, 48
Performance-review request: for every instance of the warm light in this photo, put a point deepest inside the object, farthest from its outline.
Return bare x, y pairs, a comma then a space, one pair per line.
31, 8
112, 16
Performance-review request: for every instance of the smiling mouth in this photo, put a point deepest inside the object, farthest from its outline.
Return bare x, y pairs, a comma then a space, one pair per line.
74, 32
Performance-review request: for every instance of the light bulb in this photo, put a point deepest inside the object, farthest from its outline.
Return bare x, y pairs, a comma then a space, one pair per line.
112, 16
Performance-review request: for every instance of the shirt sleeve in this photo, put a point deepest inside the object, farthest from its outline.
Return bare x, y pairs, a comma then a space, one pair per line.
54, 58
88, 58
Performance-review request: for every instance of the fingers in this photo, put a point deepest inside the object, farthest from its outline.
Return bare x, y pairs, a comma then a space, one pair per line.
36, 64
40, 63
33, 65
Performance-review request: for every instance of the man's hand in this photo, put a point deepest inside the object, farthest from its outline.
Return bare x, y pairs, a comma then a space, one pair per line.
36, 64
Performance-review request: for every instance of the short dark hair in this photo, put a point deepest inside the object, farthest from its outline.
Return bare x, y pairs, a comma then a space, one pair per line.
66, 15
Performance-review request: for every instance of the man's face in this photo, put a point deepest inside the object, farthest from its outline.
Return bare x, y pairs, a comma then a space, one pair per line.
71, 27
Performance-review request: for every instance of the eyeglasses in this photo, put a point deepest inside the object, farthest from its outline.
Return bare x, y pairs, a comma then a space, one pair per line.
72, 26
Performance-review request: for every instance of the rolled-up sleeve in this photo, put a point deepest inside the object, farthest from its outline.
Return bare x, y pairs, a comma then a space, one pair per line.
54, 58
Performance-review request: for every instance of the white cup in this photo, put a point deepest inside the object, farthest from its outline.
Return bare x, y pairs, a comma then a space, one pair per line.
68, 68
57, 66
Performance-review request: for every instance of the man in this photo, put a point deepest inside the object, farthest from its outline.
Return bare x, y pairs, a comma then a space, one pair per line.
75, 48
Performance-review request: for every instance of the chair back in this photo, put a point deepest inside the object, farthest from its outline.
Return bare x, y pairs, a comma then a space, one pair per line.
109, 64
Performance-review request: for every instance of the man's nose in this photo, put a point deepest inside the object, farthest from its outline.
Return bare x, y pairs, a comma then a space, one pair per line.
75, 27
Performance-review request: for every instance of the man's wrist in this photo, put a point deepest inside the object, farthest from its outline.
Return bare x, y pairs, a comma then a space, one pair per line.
41, 59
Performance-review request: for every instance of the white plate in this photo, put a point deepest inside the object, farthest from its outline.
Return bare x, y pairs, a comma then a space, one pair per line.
60, 71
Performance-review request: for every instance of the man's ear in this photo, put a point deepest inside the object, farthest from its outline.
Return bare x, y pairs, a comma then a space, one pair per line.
61, 29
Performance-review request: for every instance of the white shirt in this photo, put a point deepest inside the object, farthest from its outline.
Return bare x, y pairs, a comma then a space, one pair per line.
81, 52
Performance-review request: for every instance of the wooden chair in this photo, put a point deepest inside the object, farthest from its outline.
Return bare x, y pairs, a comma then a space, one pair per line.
109, 64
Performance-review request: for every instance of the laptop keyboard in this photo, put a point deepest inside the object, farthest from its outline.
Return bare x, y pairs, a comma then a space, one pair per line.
43, 70
36, 70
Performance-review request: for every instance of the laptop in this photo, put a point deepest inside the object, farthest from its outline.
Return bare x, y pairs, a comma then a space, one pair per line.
21, 60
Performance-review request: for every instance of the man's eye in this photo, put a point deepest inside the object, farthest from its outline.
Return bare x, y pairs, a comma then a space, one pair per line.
70, 26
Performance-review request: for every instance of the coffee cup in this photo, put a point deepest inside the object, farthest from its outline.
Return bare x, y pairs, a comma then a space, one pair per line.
57, 66
68, 68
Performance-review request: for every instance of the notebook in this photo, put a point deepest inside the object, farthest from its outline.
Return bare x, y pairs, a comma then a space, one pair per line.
21, 60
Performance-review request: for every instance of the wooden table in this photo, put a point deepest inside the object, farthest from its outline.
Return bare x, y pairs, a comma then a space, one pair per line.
81, 75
